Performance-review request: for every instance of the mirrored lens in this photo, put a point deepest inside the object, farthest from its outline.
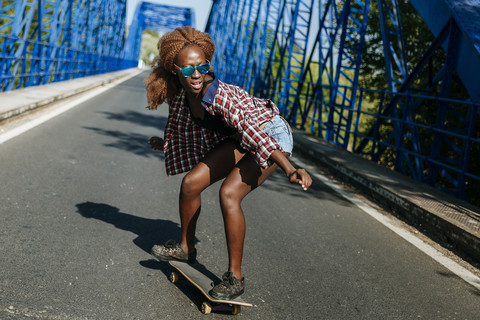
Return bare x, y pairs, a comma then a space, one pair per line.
203, 68
188, 71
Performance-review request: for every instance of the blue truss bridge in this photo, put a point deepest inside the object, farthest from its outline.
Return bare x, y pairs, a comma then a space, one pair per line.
347, 71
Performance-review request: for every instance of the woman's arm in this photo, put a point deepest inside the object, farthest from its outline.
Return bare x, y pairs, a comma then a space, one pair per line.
299, 176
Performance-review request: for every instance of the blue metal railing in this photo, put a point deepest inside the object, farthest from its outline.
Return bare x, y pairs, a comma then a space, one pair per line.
420, 156
418, 125
45, 41
155, 17
306, 55
42, 63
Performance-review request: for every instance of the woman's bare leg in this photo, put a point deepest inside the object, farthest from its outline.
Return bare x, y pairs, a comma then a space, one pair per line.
215, 166
245, 177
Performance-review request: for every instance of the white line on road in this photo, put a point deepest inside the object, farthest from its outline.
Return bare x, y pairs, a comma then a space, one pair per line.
62, 108
448, 263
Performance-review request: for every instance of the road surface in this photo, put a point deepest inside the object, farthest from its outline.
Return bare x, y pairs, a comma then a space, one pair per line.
83, 199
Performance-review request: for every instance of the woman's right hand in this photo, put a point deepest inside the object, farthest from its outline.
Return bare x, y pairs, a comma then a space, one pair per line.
301, 177
156, 143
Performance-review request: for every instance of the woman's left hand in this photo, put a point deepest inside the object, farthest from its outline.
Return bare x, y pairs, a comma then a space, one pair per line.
301, 177
156, 143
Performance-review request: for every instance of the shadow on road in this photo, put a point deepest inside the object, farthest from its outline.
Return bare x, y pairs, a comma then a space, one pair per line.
449, 274
142, 119
279, 183
132, 142
149, 231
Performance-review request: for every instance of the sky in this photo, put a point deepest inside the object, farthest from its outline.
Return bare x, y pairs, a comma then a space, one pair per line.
201, 9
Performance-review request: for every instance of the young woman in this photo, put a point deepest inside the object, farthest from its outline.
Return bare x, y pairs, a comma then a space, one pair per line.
214, 131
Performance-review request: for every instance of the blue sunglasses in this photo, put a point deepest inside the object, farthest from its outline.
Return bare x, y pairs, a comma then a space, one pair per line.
188, 71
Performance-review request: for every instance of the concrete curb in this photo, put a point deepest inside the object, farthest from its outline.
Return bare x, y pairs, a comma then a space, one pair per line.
17, 102
447, 220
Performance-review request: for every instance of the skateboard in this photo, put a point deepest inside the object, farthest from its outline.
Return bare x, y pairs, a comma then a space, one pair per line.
205, 284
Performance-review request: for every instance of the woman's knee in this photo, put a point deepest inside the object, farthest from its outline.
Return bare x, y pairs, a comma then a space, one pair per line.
230, 195
193, 184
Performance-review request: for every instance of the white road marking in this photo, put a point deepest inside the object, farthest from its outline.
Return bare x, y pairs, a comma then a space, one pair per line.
61, 109
448, 263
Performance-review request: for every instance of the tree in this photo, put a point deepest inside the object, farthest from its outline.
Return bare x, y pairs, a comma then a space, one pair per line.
149, 49
417, 39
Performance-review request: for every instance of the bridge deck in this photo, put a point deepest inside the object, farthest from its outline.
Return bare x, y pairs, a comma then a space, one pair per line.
451, 220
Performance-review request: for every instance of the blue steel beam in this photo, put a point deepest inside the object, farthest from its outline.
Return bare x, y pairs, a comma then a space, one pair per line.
339, 46
396, 69
277, 76
265, 44
281, 64
270, 44
240, 42
465, 13
343, 96
224, 23
447, 158
155, 17
43, 41
323, 95
248, 33
295, 57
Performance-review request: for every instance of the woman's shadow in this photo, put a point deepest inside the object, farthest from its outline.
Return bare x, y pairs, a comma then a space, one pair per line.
149, 231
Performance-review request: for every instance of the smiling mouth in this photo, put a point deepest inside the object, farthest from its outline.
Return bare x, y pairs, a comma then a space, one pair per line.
196, 85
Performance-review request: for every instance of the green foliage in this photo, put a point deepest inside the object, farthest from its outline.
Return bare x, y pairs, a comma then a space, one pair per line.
373, 75
149, 49
417, 38
373, 79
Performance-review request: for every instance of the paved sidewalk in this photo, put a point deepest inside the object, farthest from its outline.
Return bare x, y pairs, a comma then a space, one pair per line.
16, 102
450, 220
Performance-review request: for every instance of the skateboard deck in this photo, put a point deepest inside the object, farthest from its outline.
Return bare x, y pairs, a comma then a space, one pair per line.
205, 284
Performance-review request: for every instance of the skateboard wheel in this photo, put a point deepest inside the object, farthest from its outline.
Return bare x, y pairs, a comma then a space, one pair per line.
236, 309
173, 277
206, 308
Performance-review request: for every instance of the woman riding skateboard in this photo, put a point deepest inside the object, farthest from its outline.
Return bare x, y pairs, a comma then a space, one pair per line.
214, 131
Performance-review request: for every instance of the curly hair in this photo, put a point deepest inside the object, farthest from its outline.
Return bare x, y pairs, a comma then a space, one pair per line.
162, 85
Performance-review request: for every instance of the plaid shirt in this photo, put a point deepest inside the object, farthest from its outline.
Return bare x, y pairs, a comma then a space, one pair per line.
186, 143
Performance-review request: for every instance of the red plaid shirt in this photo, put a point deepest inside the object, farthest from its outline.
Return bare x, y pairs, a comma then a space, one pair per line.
186, 143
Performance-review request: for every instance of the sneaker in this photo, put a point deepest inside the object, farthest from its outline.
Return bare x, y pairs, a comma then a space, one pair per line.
229, 288
172, 250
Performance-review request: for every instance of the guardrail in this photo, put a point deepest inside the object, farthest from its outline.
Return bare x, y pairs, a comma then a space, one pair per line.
25, 63
48, 41
434, 137
314, 58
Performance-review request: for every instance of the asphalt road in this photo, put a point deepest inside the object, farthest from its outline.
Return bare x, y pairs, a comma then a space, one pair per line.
83, 199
